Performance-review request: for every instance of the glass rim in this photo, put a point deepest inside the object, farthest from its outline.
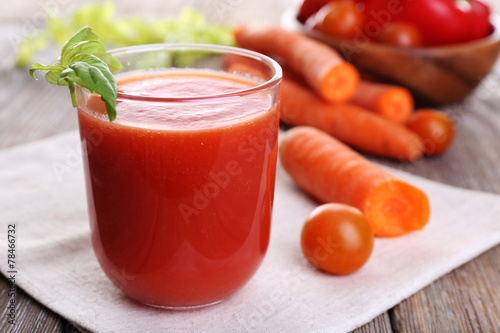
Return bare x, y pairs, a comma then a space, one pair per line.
271, 63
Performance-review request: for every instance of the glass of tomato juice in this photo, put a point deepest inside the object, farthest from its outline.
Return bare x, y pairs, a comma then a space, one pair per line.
180, 185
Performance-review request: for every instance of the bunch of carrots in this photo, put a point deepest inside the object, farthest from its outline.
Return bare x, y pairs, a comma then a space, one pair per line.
322, 90
333, 111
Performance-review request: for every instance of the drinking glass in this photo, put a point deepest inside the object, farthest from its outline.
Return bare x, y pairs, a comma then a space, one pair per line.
180, 185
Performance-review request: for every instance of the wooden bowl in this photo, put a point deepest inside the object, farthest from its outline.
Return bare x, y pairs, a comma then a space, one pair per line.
435, 75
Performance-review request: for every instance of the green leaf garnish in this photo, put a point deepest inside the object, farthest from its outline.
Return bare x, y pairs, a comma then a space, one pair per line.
79, 64
81, 36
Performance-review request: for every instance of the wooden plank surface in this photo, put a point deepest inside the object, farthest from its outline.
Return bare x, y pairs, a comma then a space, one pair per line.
465, 300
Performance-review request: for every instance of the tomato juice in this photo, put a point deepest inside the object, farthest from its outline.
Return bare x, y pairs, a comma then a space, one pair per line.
180, 191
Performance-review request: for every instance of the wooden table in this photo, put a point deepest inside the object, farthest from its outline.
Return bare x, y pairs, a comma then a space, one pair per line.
465, 300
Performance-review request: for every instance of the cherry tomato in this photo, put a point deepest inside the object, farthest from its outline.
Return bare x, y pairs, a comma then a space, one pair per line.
309, 8
400, 34
440, 22
337, 239
435, 128
479, 18
342, 19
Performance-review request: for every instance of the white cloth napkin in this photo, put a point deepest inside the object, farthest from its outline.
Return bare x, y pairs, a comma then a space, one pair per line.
42, 192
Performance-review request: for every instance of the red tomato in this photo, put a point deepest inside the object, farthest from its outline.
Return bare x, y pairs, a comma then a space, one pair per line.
439, 21
337, 239
435, 128
342, 19
479, 20
400, 34
309, 8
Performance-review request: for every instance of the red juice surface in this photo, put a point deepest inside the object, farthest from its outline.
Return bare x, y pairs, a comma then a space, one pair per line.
180, 194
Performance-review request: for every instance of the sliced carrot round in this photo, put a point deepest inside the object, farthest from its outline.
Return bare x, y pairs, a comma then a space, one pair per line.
340, 83
396, 208
395, 104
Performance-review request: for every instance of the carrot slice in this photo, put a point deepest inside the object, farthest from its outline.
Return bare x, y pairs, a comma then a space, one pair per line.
394, 102
321, 66
390, 202
349, 123
332, 172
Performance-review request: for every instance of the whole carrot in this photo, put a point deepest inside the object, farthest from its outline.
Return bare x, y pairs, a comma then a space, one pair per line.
322, 67
332, 172
393, 102
349, 123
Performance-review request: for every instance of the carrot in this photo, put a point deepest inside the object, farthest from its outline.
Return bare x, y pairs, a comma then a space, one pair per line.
321, 66
290, 74
393, 102
349, 123
332, 172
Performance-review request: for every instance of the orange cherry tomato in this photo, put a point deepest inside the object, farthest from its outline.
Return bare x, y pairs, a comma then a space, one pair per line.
337, 239
342, 19
400, 34
435, 128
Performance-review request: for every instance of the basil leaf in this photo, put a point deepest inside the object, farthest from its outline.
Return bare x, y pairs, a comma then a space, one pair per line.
53, 77
99, 64
79, 64
90, 47
84, 34
114, 64
40, 67
95, 77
